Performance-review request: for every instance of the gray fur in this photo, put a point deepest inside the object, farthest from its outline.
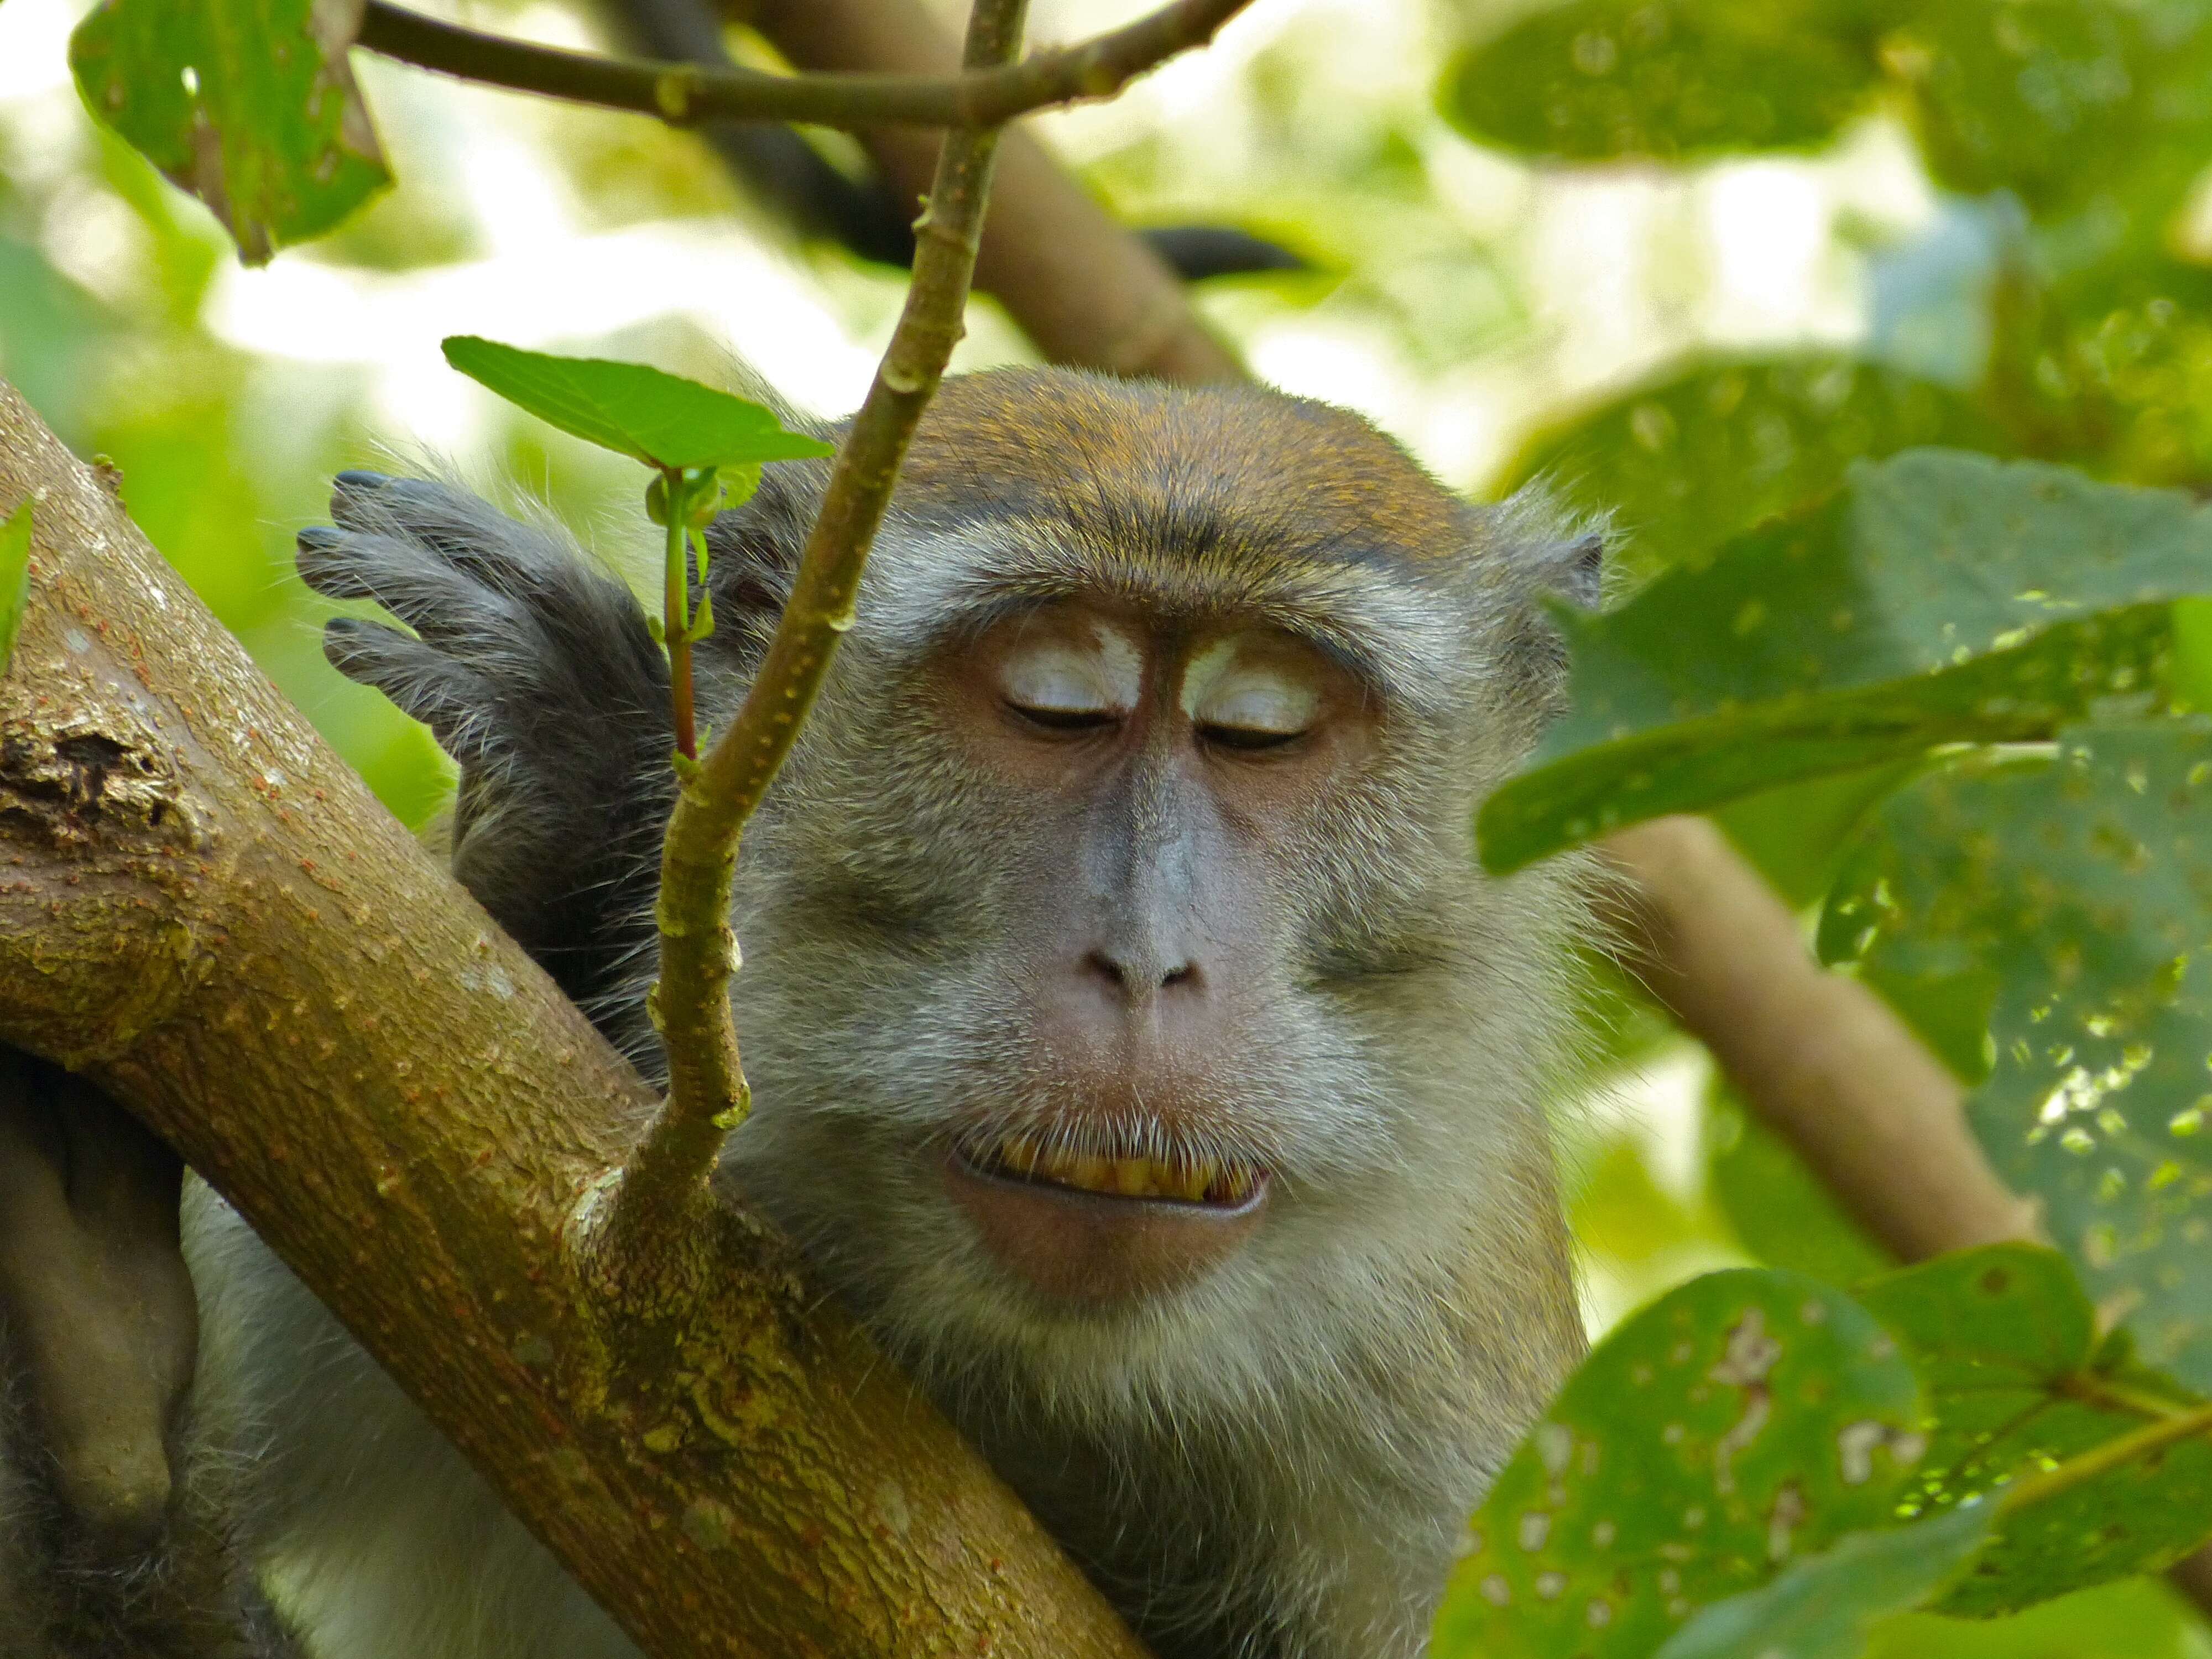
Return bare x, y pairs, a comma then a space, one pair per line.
1275, 1461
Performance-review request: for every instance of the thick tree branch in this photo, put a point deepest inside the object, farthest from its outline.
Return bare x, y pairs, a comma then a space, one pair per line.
706, 1092
205, 912
1821, 1058
683, 93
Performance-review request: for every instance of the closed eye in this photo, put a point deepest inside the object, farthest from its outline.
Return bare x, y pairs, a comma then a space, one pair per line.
1066, 720
1246, 740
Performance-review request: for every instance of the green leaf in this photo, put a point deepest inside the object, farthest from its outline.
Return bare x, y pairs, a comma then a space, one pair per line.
247, 104
1825, 1606
1942, 598
2084, 883
1599, 80
663, 420
2065, 103
1689, 462
1780, 1212
15, 578
2007, 1342
1738, 1423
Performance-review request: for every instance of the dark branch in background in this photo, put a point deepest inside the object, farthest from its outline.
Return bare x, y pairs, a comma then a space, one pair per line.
684, 94
862, 213
1083, 287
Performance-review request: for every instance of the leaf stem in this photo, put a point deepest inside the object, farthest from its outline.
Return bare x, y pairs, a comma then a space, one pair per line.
676, 628
655, 1207
2113, 1395
2103, 1458
683, 94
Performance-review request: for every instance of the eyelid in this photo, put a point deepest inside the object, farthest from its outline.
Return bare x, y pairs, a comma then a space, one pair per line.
1267, 696
1061, 676
1257, 701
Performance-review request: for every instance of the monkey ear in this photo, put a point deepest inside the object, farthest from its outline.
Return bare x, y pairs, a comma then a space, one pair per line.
1575, 569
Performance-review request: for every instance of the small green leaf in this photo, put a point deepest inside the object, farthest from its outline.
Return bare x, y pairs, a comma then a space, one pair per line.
1942, 598
663, 420
15, 578
247, 104
1825, 1607
1740, 1422
1779, 1210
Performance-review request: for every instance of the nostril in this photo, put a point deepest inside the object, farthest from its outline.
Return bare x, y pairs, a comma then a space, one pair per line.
1135, 978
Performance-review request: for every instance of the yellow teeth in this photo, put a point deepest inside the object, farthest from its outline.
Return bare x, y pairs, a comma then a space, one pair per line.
1193, 1182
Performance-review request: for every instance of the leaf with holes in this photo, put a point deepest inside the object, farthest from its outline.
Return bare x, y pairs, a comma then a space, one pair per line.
1824, 1606
15, 578
1691, 462
2067, 104
1598, 80
2084, 883
247, 104
2007, 1343
663, 420
1942, 598
1741, 1421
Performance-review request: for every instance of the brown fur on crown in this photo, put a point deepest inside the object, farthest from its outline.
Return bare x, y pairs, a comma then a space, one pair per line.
1181, 458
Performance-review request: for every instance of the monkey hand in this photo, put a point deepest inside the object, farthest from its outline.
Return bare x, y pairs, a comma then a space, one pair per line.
98, 1325
539, 675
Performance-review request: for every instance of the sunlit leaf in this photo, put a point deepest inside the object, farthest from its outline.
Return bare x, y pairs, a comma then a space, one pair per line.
15, 578
247, 104
1692, 461
1942, 598
661, 419
1825, 1607
2007, 1342
2084, 883
1742, 1422
1596, 80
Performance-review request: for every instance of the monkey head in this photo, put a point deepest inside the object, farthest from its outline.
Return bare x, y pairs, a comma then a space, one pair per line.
1127, 1002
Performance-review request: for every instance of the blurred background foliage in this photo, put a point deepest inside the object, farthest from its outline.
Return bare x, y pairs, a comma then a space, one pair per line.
1685, 259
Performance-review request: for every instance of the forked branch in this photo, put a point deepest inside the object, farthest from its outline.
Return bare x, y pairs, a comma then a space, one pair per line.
987, 96
653, 1221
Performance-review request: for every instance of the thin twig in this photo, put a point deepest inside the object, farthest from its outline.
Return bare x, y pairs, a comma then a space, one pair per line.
684, 94
665, 1179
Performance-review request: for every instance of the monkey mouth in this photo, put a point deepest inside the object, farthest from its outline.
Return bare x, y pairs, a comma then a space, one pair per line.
1178, 1177
1090, 1227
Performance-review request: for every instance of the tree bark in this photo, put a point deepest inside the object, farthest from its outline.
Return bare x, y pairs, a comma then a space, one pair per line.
205, 912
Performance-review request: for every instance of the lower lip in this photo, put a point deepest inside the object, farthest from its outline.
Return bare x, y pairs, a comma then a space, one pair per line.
1098, 1248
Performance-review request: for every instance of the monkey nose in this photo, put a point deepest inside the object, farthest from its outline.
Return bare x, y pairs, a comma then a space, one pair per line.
1136, 976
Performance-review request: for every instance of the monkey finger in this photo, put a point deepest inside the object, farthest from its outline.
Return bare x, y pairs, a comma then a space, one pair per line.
429, 594
454, 701
575, 601
485, 544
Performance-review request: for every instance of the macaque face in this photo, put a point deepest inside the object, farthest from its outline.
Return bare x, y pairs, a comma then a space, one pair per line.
1171, 767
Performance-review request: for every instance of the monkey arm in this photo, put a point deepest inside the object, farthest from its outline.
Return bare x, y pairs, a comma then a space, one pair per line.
105, 1479
537, 673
